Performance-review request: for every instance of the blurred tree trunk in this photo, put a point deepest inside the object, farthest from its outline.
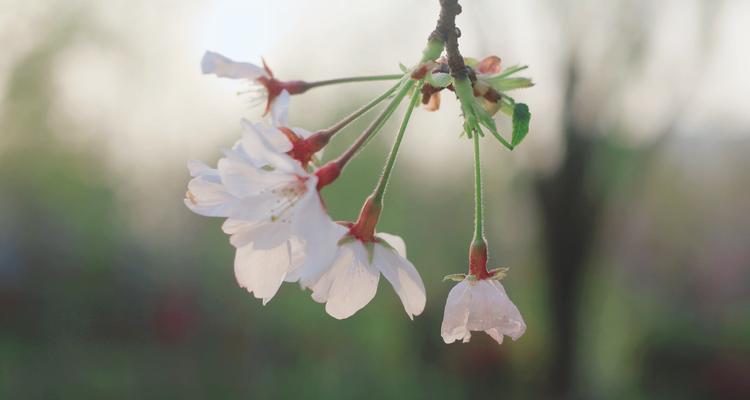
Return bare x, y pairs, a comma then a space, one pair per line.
569, 211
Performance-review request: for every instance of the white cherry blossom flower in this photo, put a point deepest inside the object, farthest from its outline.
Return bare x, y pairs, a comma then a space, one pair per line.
264, 86
350, 280
480, 305
272, 206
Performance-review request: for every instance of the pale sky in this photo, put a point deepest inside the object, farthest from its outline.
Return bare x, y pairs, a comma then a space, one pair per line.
144, 85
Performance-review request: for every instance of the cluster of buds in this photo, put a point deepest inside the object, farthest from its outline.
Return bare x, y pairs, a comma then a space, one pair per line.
268, 187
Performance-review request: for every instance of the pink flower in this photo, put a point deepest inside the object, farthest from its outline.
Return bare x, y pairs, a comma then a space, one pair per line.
480, 305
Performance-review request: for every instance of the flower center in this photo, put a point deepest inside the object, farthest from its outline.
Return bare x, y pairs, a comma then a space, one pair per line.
287, 195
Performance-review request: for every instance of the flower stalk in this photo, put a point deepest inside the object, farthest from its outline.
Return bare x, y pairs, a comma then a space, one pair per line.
478, 248
383, 182
364, 228
368, 78
332, 130
329, 172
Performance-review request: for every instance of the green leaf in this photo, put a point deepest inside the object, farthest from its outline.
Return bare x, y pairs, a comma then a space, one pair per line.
439, 79
403, 68
521, 118
508, 72
506, 84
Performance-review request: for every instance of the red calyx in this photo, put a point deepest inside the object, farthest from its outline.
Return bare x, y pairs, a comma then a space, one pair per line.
274, 87
478, 260
327, 174
303, 150
364, 228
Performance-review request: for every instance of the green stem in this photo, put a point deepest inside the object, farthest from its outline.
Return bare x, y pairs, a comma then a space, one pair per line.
478, 217
383, 182
370, 78
358, 113
374, 126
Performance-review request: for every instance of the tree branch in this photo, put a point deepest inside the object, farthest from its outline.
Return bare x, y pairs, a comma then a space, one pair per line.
447, 31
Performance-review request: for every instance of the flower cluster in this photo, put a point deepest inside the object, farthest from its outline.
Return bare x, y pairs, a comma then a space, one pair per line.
268, 187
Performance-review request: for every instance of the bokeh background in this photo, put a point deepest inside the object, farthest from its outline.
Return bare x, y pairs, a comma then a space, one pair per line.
625, 216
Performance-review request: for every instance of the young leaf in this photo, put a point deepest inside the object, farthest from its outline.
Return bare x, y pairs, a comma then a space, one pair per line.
521, 118
506, 84
509, 71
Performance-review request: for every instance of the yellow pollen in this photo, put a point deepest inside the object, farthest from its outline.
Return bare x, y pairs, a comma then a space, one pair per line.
191, 197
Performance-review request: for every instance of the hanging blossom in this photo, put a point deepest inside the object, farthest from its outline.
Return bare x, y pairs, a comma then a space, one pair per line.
350, 279
479, 303
267, 187
263, 83
272, 207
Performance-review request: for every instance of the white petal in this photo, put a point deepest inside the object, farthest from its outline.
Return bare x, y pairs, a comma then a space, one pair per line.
395, 241
215, 63
280, 110
484, 310
262, 271
319, 232
263, 234
403, 277
243, 180
298, 259
352, 282
456, 313
199, 168
207, 196
256, 143
513, 324
321, 287
262, 138
495, 334
491, 309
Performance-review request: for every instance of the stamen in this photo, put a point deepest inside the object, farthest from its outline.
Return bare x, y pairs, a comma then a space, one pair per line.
191, 197
288, 194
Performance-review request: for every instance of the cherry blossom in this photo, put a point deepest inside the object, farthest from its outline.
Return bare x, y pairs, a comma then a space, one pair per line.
272, 206
480, 305
267, 88
350, 280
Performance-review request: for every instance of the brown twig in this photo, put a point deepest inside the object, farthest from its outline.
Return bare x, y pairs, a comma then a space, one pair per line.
447, 31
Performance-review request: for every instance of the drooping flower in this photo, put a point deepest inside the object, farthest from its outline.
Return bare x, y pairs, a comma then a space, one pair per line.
350, 279
263, 82
479, 302
480, 305
272, 205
